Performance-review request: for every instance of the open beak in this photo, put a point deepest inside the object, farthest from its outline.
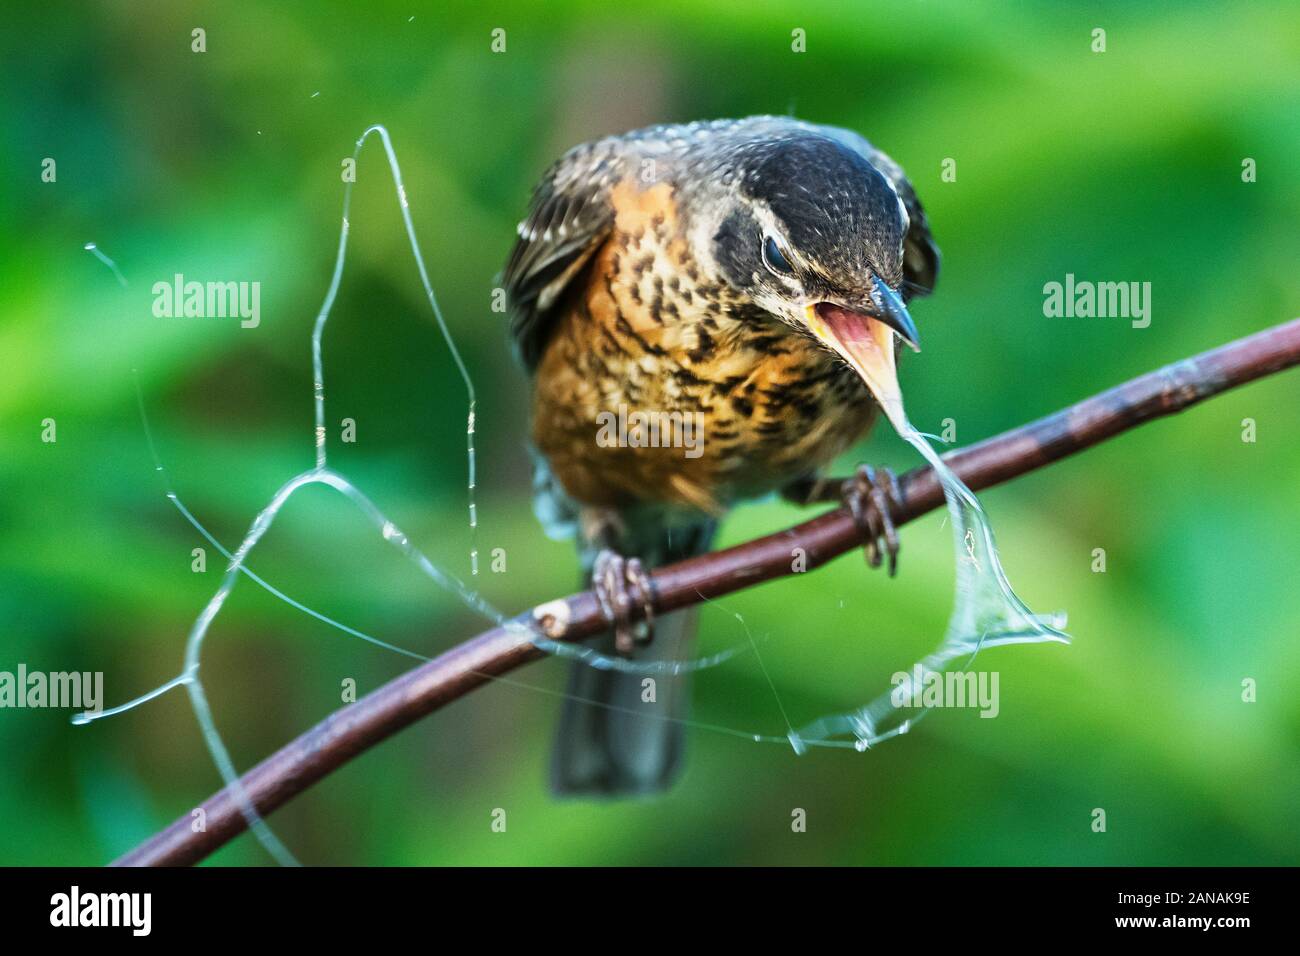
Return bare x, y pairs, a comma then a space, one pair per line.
865, 339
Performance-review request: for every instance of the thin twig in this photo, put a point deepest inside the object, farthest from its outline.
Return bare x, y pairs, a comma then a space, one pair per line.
399, 703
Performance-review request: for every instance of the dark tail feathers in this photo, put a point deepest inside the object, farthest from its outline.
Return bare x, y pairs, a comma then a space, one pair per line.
621, 733
628, 740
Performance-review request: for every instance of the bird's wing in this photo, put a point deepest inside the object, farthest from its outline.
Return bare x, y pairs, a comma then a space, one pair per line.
920, 254
570, 217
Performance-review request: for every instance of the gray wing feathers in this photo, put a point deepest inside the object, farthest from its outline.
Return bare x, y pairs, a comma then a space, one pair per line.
569, 219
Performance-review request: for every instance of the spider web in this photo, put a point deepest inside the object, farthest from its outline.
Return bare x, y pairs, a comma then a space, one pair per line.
986, 611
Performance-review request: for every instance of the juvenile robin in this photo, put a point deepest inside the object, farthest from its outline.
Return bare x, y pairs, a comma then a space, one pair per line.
743, 278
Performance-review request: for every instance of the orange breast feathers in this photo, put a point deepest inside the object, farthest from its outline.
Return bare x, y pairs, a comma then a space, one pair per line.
649, 391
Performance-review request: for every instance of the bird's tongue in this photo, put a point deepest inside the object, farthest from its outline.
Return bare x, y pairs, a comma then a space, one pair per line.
868, 345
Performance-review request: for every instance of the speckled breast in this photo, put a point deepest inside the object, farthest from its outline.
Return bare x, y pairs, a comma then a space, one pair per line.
659, 386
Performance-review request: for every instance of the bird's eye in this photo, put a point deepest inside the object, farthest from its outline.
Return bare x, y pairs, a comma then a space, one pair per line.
774, 258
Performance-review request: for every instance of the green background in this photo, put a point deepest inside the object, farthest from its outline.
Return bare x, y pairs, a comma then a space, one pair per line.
1123, 166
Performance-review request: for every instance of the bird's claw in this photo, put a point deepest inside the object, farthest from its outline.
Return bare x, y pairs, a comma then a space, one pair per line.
620, 584
871, 495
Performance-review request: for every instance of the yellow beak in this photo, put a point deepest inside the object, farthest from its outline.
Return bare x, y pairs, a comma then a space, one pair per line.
867, 344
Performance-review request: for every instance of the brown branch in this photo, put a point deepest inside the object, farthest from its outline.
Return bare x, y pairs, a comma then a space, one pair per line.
401, 702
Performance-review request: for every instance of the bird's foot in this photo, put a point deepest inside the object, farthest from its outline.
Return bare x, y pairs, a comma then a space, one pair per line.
621, 584
871, 495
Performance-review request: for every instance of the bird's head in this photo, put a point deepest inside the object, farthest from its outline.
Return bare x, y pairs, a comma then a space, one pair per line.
816, 236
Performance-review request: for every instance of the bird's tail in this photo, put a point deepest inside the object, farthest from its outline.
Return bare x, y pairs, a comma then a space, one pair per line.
621, 733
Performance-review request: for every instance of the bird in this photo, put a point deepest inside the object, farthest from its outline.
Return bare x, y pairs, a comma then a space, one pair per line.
708, 313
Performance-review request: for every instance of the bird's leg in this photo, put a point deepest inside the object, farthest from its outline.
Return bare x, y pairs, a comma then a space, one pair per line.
810, 490
870, 495
620, 583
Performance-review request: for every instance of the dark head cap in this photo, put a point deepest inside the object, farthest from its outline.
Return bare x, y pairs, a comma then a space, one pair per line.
815, 237
838, 212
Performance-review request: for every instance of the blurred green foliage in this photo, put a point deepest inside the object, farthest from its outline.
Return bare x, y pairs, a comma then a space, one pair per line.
1123, 165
